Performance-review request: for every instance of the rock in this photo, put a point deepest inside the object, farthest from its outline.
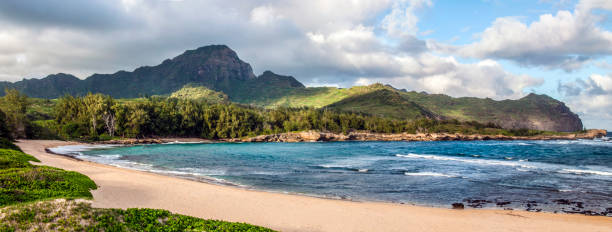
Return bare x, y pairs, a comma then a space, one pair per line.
562, 201
595, 133
502, 203
458, 206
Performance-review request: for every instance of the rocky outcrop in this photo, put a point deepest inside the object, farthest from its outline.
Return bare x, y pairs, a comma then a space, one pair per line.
313, 136
538, 112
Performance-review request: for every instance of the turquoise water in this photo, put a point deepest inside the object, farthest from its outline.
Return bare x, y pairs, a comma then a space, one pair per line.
534, 175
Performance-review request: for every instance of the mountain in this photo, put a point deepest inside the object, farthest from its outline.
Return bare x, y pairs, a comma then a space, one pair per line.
216, 73
216, 67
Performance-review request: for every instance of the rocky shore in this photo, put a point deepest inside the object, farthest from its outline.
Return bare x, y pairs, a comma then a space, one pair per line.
314, 136
134, 141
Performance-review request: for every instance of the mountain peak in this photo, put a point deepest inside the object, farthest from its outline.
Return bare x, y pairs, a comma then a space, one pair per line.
268, 77
62, 76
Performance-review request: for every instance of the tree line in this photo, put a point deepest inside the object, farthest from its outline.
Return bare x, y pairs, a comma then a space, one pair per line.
97, 115
101, 117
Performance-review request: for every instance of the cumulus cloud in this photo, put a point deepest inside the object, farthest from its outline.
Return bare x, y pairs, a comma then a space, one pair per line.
565, 40
402, 20
311, 40
590, 98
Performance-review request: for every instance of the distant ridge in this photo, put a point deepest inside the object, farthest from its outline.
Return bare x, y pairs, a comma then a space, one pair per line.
221, 74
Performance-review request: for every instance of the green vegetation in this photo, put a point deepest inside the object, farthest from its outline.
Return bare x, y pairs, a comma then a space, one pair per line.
104, 117
374, 108
383, 103
7, 144
14, 105
200, 93
24, 182
299, 97
532, 111
76, 215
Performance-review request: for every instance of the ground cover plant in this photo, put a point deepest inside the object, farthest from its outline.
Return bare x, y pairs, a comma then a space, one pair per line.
78, 215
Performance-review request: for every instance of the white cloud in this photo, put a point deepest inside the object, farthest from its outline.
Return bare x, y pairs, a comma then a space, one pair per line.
591, 99
565, 40
264, 15
402, 21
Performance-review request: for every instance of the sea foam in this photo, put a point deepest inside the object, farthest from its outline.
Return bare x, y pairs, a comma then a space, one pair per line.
434, 174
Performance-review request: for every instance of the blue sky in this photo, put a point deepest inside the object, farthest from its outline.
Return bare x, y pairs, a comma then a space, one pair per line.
493, 48
460, 22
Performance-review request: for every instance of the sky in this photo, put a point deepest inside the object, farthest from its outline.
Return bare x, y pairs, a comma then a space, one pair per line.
478, 48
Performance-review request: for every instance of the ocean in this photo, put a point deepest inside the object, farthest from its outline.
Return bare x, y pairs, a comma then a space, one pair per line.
557, 176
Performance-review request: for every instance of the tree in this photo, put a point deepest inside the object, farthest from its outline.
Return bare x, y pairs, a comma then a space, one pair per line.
108, 115
15, 104
5, 132
135, 120
94, 105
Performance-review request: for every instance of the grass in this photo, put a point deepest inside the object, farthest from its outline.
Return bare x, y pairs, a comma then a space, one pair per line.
7, 144
78, 215
21, 181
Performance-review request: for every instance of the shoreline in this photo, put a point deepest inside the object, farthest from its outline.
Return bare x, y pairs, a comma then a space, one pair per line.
123, 188
316, 136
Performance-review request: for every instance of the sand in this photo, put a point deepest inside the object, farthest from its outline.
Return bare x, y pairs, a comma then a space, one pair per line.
122, 188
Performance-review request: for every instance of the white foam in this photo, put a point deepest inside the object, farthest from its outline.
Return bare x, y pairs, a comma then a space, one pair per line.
434, 174
179, 142
363, 170
77, 149
588, 142
354, 162
582, 172
473, 161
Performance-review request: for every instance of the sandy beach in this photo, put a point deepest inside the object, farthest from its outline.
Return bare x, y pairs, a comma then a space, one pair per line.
122, 188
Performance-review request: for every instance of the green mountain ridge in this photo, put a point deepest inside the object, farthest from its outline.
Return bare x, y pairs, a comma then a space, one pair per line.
217, 70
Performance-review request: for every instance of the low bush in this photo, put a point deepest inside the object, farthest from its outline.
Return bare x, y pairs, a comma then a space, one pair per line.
8, 144
21, 181
78, 215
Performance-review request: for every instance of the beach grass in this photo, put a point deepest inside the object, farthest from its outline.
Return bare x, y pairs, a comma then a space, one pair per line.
21, 181
78, 215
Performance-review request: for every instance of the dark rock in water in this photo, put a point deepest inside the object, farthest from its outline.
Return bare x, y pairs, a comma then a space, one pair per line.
562, 201
608, 212
477, 203
579, 205
591, 213
458, 206
503, 203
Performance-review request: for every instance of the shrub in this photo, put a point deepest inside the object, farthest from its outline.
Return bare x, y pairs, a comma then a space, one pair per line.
8, 144
42, 182
21, 181
80, 216
15, 159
